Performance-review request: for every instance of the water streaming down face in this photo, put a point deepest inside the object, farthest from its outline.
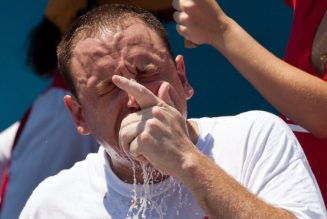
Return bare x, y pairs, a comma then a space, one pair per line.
96, 60
149, 200
168, 198
146, 203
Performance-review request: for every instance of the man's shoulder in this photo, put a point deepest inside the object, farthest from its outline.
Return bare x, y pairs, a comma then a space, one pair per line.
264, 123
59, 190
255, 130
261, 118
256, 115
264, 135
71, 176
248, 118
260, 125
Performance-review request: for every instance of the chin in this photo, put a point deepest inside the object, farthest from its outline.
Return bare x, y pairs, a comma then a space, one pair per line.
149, 173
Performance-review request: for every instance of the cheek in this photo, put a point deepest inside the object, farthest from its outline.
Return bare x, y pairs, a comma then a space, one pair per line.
104, 117
176, 92
153, 86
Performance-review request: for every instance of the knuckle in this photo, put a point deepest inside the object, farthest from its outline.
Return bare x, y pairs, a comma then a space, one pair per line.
175, 4
122, 140
141, 88
122, 135
152, 124
123, 123
166, 84
156, 109
181, 17
159, 111
188, 6
181, 29
126, 120
145, 137
184, 17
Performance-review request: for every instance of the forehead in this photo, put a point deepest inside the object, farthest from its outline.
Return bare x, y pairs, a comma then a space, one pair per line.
131, 47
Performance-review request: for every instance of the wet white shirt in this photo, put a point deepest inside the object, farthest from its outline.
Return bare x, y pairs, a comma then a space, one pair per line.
255, 148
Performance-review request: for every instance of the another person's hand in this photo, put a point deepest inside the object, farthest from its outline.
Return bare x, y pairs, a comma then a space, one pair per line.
199, 21
158, 132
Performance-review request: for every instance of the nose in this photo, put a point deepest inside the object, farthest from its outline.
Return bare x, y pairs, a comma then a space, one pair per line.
132, 104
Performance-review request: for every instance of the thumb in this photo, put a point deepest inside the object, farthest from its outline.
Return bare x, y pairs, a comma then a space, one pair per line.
164, 94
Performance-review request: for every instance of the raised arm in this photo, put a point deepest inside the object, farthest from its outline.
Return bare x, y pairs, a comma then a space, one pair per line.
297, 94
159, 134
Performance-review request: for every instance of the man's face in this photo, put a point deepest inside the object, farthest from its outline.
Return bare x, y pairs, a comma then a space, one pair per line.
136, 53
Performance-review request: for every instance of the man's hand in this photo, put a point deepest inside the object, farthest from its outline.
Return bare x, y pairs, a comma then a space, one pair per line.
158, 132
199, 21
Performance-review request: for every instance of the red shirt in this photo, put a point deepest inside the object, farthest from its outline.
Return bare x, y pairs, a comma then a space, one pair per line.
306, 20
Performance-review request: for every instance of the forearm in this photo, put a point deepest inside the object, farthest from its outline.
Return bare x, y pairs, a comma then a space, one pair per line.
287, 88
220, 195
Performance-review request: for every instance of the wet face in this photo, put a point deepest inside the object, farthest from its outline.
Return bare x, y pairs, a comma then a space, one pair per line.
136, 53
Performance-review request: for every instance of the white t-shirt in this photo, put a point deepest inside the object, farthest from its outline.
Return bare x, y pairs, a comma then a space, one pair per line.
48, 144
255, 148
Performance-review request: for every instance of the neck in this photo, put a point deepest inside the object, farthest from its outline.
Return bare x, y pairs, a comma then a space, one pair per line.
193, 131
131, 171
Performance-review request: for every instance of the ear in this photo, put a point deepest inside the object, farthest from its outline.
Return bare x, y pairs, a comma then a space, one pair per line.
180, 67
76, 111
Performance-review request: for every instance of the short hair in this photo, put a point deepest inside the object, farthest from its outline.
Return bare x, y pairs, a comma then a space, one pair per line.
96, 21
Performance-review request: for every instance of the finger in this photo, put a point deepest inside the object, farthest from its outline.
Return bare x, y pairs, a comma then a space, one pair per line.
143, 96
127, 134
134, 155
137, 117
137, 147
164, 94
176, 5
180, 17
181, 29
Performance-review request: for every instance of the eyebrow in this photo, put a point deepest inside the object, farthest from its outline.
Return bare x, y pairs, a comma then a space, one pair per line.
103, 85
149, 67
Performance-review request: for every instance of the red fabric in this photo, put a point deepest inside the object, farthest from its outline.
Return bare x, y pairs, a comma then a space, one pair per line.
6, 173
56, 82
307, 17
59, 82
289, 2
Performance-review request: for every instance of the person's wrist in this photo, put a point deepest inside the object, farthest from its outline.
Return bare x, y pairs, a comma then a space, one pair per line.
190, 165
225, 24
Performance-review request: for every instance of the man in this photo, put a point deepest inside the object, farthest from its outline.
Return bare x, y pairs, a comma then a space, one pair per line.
154, 163
26, 157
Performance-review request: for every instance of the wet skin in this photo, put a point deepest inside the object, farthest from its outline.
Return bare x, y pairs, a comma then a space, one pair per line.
136, 53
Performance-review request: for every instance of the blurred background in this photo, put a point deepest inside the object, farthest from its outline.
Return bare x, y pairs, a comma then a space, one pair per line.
219, 89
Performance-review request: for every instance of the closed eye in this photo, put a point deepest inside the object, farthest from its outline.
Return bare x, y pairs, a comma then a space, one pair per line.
105, 87
107, 91
148, 72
